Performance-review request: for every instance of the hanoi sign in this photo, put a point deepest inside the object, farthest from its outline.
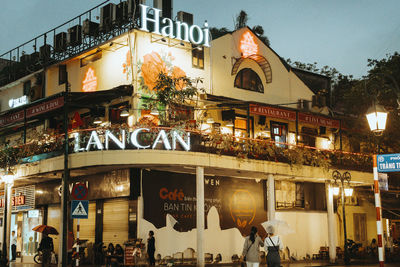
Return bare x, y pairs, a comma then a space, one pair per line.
388, 163
174, 29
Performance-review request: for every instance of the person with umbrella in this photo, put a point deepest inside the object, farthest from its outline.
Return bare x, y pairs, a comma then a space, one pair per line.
272, 245
46, 245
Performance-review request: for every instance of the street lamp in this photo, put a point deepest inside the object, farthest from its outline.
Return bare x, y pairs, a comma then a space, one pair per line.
376, 116
8, 179
346, 191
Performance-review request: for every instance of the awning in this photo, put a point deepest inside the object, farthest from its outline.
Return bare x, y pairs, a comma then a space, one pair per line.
52, 103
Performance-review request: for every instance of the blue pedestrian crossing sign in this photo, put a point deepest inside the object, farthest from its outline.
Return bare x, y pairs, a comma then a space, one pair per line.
79, 209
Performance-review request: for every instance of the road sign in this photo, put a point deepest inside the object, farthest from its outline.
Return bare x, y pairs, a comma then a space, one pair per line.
388, 163
79, 209
79, 191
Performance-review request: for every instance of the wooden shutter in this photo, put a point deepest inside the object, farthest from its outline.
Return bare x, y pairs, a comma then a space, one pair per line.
115, 221
360, 227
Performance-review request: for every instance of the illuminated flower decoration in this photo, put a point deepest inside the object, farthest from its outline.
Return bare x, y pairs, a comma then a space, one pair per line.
152, 66
178, 73
149, 120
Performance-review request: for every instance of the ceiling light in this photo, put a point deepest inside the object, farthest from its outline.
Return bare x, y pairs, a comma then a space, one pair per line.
154, 112
210, 120
124, 113
97, 120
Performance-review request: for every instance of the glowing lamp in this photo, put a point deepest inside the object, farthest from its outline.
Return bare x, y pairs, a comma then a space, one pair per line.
229, 123
124, 113
335, 190
348, 192
376, 116
248, 46
210, 120
154, 112
98, 120
89, 84
8, 177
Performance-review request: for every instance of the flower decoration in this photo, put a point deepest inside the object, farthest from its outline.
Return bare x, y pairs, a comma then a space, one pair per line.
126, 67
151, 68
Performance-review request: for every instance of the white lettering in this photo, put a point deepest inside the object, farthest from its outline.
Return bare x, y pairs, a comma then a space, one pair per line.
94, 140
164, 139
77, 145
134, 140
115, 139
206, 35
179, 25
144, 18
192, 37
169, 28
176, 136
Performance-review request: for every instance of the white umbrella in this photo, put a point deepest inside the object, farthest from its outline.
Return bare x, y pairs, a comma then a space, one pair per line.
280, 227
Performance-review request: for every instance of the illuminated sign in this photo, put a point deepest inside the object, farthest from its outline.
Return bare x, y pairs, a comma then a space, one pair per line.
15, 201
174, 29
247, 45
89, 84
20, 101
168, 140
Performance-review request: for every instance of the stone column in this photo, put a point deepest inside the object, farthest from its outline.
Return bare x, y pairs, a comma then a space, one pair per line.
271, 197
200, 215
331, 223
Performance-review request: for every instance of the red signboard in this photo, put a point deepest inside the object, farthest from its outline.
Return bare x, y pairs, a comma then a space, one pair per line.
31, 111
11, 118
273, 112
15, 201
45, 107
318, 120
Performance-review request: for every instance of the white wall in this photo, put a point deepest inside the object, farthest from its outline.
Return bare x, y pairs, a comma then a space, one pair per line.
311, 232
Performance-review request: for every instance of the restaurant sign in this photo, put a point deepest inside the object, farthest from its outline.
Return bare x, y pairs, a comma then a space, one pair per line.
140, 138
31, 111
22, 198
273, 112
318, 120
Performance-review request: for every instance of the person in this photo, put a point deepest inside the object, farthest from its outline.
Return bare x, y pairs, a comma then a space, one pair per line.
109, 254
151, 248
119, 255
46, 246
272, 245
13, 246
251, 248
374, 247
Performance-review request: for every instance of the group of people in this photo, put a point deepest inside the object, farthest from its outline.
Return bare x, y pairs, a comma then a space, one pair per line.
114, 255
272, 244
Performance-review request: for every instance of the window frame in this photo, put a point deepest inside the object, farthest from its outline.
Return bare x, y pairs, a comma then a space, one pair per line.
252, 75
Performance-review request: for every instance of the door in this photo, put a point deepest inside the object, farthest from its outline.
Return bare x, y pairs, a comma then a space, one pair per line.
279, 133
360, 228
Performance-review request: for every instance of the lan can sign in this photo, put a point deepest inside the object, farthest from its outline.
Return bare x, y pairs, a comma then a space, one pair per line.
388, 163
79, 209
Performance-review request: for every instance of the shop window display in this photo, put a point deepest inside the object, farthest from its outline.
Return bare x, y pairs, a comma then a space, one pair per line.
30, 239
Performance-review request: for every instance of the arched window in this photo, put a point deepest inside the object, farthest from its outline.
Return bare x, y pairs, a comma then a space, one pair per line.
249, 80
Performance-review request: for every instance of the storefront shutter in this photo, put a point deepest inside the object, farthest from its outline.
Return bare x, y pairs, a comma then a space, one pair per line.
53, 219
87, 226
115, 221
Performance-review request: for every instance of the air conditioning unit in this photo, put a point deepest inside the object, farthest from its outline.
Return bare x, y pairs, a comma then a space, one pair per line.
75, 35
25, 58
134, 8
45, 52
185, 17
106, 13
303, 104
90, 28
35, 93
120, 13
318, 101
60, 42
165, 6
34, 57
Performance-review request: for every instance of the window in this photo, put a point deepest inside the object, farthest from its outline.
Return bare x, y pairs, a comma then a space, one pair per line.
279, 133
360, 227
62, 74
198, 57
249, 80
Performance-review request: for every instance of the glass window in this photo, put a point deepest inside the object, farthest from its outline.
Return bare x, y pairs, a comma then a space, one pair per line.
198, 58
249, 80
279, 132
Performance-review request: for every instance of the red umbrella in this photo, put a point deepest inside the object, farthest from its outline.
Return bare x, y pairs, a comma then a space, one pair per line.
45, 229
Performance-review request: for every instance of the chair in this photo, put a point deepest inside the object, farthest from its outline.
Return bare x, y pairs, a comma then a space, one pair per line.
189, 256
178, 257
208, 257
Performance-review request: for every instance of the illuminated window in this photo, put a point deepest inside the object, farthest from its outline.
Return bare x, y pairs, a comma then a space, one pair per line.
198, 58
89, 84
249, 80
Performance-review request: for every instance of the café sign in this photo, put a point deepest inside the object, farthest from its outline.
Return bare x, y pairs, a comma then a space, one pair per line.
168, 140
174, 29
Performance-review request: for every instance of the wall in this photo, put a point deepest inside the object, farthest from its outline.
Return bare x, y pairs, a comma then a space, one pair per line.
285, 87
311, 232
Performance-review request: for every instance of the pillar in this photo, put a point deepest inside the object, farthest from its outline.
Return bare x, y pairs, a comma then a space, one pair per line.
271, 197
200, 215
379, 227
331, 223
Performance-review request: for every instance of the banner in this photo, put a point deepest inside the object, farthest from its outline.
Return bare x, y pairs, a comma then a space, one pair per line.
239, 202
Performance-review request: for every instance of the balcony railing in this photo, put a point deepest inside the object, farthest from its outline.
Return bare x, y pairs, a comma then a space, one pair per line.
45, 146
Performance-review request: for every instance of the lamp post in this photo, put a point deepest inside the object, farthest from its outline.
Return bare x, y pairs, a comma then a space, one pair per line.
346, 191
8, 179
